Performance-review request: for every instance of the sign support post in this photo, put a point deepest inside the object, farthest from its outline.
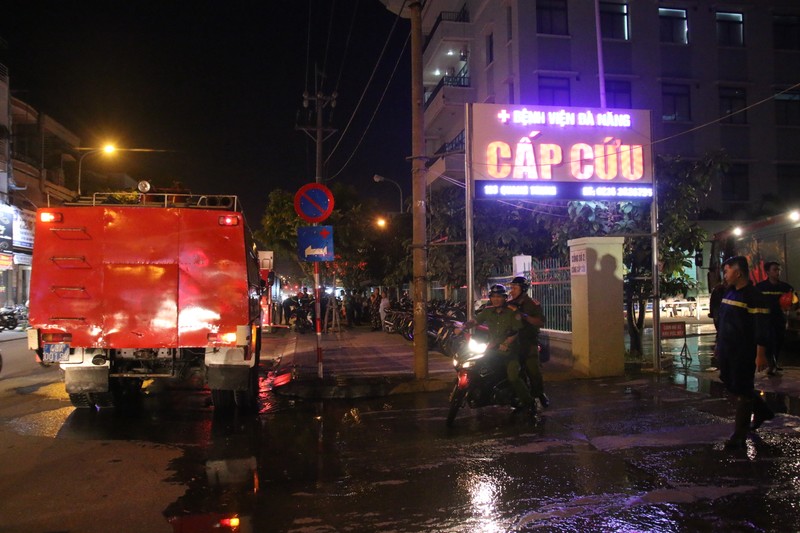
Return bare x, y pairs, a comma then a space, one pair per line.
314, 203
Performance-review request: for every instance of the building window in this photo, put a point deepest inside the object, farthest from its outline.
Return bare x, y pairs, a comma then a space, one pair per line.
489, 48
614, 21
730, 29
553, 91
618, 94
674, 25
676, 103
788, 181
509, 24
735, 184
551, 17
787, 108
786, 32
732, 102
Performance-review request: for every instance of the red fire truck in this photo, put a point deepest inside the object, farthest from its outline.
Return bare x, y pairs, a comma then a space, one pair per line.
133, 286
774, 238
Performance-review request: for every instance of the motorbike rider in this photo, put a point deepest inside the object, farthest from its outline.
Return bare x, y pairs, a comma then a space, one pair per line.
504, 326
532, 318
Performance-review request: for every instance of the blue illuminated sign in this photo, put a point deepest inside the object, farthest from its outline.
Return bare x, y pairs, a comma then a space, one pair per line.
562, 190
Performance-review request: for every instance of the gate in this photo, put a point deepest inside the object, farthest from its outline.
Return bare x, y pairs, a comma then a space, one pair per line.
550, 285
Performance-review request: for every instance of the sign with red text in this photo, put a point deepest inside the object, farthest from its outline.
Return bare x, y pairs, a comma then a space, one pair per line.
673, 330
566, 152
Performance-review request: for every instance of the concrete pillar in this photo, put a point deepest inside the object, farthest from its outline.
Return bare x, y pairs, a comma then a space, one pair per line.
598, 328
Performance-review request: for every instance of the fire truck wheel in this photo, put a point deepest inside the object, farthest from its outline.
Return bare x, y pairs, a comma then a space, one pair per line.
81, 400
223, 399
247, 400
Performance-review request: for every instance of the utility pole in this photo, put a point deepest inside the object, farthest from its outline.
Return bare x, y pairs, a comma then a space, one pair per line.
320, 101
419, 182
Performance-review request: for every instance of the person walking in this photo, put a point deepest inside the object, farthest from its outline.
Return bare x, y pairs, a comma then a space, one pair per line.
532, 319
383, 307
504, 327
374, 310
742, 338
773, 290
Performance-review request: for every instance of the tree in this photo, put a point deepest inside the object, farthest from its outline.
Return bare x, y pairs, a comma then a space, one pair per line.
501, 230
362, 253
682, 184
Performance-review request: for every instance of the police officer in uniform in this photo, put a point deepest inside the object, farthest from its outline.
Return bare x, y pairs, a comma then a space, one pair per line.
504, 326
532, 318
742, 338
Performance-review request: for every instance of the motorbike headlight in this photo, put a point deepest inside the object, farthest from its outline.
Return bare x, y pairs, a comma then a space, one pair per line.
476, 347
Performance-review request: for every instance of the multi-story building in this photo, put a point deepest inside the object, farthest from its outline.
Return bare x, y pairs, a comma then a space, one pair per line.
714, 74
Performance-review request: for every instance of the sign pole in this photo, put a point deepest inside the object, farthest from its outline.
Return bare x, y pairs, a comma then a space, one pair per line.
318, 322
314, 203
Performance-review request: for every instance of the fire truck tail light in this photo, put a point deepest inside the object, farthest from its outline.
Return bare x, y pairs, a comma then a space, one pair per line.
48, 217
232, 522
223, 338
229, 220
56, 337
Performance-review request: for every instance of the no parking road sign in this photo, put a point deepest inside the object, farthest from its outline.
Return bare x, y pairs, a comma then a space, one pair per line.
313, 202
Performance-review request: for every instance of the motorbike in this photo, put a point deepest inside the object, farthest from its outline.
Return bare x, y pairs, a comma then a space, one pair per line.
9, 318
482, 378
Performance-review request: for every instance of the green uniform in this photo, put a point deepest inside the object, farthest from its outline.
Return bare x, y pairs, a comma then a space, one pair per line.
529, 340
503, 324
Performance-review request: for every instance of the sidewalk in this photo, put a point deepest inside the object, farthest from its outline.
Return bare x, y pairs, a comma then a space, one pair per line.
358, 362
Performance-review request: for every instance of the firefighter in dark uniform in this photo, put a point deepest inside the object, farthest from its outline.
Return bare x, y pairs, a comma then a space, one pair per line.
741, 348
504, 326
532, 318
773, 288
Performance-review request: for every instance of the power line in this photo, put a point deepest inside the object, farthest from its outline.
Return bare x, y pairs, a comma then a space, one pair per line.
364, 92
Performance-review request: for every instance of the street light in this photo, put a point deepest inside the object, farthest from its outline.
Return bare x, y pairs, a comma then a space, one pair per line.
377, 178
107, 149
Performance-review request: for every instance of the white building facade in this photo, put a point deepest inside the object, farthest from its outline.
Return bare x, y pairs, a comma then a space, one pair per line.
715, 75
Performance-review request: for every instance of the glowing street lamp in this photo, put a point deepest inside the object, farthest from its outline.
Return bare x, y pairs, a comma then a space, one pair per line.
381, 222
107, 149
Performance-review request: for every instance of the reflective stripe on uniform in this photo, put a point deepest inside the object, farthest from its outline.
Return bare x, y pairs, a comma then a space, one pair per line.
743, 305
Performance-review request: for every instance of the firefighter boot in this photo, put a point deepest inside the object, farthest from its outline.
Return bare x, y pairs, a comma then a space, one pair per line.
761, 411
744, 411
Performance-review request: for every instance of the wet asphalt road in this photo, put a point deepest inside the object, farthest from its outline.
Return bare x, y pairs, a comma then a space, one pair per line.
638, 454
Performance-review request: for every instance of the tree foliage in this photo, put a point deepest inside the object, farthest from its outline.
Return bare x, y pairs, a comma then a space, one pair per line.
682, 185
363, 253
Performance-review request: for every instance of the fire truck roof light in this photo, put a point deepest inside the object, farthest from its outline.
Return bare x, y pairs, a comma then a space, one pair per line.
229, 220
48, 216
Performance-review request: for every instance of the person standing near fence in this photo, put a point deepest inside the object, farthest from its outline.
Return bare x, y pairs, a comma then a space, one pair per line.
532, 318
741, 348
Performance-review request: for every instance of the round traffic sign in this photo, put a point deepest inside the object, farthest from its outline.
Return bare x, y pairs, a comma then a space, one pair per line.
313, 202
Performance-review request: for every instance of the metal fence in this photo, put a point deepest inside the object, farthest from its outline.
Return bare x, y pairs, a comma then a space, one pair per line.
551, 286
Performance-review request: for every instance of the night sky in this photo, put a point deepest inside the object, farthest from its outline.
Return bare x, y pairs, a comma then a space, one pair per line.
219, 83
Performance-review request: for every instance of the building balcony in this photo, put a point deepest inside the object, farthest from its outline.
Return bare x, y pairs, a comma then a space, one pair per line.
444, 105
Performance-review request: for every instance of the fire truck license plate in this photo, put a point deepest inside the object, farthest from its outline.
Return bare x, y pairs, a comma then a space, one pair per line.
54, 353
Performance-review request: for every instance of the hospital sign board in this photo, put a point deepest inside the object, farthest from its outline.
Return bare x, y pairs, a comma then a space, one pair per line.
565, 152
